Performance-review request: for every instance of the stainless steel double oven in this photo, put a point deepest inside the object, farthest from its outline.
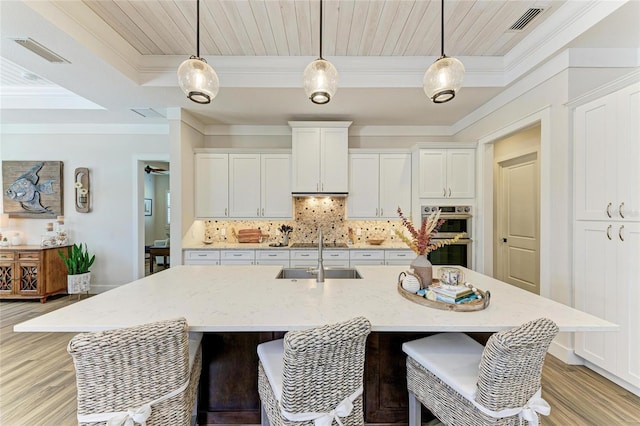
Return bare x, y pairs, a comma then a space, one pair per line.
457, 221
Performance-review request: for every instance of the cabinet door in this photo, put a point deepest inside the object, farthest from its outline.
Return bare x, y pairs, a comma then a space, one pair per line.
244, 185
276, 186
27, 278
596, 289
363, 186
305, 147
628, 202
7, 273
211, 185
460, 173
334, 160
627, 237
433, 173
595, 166
395, 184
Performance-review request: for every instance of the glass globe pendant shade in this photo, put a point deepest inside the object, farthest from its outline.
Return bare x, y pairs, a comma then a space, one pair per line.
443, 79
320, 81
198, 80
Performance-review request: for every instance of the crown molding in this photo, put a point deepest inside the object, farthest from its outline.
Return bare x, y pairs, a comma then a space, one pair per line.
85, 129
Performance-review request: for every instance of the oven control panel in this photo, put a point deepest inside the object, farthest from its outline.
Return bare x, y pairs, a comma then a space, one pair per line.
446, 209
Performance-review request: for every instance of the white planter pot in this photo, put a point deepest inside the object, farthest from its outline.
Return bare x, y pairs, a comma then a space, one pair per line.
78, 283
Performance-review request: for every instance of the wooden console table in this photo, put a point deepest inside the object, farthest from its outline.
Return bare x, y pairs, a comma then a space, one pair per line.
31, 272
158, 251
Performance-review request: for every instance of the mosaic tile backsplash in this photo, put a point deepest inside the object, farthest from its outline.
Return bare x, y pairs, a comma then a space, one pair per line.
310, 213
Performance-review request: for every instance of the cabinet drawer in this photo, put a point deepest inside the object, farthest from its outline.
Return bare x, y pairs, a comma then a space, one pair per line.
272, 254
335, 255
28, 255
407, 255
6, 256
304, 254
201, 255
367, 254
237, 255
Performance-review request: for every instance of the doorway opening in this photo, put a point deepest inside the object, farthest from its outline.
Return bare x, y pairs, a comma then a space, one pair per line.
157, 216
516, 209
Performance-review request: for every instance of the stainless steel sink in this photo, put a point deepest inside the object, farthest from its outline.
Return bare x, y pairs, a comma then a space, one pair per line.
329, 273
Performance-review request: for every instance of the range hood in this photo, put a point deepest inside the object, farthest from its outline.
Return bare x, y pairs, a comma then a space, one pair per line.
320, 194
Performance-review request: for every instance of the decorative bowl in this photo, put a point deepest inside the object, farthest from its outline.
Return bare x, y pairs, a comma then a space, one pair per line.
375, 241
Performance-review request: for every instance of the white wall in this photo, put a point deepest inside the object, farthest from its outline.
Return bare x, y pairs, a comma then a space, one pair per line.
109, 227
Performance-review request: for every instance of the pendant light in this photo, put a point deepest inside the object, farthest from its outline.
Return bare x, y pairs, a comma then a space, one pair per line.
196, 78
320, 78
444, 77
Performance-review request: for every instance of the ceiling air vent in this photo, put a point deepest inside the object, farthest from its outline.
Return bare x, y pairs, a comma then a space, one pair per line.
147, 112
40, 50
525, 19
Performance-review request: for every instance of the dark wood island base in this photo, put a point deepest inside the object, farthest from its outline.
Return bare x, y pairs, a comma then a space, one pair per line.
229, 382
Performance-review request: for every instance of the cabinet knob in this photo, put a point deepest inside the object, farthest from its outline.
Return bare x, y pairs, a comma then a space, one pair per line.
620, 210
608, 207
620, 233
608, 232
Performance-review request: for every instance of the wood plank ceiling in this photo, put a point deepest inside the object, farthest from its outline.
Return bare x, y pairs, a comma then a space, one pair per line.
291, 27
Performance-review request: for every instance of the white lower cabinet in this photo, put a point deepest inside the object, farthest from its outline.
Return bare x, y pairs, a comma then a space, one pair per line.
607, 267
399, 257
201, 257
366, 257
237, 257
309, 258
272, 257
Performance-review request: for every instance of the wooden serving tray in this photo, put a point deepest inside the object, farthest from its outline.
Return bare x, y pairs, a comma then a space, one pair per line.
476, 305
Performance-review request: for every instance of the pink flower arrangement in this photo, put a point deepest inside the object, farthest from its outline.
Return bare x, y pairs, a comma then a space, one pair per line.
421, 241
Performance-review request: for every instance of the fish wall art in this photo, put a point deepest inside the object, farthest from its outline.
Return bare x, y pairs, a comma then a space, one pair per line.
32, 189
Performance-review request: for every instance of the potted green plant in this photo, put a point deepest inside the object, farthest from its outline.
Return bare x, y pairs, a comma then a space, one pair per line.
78, 262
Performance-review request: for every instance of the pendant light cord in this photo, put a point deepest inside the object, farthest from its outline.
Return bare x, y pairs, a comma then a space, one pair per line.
442, 29
321, 30
198, 28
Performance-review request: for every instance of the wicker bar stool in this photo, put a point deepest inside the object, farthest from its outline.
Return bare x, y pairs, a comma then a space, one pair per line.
145, 374
314, 376
463, 383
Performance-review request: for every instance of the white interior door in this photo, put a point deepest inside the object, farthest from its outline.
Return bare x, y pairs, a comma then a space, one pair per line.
518, 261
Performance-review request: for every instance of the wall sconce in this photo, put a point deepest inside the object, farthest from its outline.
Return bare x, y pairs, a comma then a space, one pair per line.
81, 182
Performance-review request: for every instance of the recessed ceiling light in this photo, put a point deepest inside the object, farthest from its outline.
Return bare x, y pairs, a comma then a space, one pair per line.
30, 76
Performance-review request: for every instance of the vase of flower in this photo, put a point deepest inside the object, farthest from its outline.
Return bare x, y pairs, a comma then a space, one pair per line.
421, 242
422, 267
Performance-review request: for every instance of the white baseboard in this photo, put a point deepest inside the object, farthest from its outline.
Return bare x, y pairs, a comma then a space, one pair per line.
564, 354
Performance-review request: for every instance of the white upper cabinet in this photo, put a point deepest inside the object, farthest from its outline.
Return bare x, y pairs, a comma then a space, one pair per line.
364, 187
607, 157
447, 173
243, 185
378, 184
320, 157
275, 190
211, 185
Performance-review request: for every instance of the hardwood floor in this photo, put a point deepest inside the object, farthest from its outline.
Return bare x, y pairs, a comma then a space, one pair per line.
37, 380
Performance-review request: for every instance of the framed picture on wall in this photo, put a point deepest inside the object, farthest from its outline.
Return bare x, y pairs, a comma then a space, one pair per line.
32, 189
147, 206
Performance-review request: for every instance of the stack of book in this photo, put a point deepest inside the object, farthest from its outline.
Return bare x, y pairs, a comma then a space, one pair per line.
454, 294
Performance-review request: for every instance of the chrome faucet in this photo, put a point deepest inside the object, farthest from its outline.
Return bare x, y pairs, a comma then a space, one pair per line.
319, 271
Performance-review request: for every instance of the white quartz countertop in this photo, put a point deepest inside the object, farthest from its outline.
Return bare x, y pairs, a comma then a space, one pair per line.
250, 298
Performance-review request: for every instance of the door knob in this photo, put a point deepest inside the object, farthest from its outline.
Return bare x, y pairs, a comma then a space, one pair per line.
504, 240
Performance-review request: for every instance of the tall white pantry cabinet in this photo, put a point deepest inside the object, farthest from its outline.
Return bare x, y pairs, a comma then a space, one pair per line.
607, 229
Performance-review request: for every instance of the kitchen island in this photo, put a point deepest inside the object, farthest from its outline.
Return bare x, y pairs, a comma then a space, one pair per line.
240, 306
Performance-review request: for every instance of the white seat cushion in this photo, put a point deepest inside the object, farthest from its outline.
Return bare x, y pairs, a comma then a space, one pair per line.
271, 355
452, 357
194, 342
